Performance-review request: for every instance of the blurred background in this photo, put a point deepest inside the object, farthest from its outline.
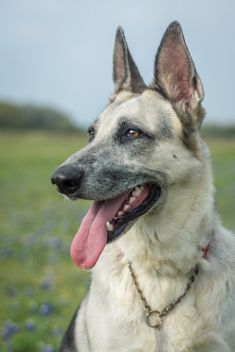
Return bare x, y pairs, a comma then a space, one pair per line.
55, 78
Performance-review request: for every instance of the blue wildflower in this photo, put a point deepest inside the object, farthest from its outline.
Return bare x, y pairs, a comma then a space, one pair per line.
9, 330
48, 348
46, 309
29, 325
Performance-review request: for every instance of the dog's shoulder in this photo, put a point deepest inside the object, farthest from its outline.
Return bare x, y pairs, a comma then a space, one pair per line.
223, 248
217, 283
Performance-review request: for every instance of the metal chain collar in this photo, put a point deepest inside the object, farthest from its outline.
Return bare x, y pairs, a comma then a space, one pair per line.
154, 317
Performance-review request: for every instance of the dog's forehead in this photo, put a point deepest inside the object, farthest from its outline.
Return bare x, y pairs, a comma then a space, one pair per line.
149, 110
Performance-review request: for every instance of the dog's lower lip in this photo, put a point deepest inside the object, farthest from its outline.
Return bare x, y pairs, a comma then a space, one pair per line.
122, 223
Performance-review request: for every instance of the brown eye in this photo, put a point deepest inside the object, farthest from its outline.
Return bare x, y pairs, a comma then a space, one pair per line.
91, 133
133, 134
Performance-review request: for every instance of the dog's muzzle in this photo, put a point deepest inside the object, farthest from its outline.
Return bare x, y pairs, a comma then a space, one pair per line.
67, 179
120, 196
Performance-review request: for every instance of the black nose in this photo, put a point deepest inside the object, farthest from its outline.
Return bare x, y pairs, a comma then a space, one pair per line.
67, 178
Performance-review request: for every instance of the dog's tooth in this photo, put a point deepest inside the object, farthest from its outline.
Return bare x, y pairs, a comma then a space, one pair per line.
126, 207
131, 200
120, 213
136, 192
109, 226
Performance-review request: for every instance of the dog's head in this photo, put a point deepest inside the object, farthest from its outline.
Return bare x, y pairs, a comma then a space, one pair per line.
145, 141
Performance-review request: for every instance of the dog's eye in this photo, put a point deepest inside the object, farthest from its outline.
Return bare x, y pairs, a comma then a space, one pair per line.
133, 134
91, 132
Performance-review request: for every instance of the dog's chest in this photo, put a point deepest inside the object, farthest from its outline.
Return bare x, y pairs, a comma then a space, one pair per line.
124, 313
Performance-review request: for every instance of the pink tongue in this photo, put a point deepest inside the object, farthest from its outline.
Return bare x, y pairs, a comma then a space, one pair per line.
91, 237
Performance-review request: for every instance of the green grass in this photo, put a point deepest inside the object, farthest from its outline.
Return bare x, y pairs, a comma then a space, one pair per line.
37, 226
223, 161
39, 285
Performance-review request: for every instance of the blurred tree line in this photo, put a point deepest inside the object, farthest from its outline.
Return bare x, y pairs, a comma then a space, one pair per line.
214, 131
32, 117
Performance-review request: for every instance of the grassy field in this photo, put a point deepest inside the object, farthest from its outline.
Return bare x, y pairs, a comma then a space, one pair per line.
39, 286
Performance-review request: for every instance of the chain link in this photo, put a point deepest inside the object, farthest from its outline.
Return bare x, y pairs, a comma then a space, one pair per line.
169, 307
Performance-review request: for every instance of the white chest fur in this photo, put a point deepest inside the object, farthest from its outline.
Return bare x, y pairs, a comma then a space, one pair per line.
123, 315
117, 322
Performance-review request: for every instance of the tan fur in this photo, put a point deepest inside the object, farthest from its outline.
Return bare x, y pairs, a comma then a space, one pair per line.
165, 244
163, 248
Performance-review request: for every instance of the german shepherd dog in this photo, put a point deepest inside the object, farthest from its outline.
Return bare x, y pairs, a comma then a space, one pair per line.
163, 267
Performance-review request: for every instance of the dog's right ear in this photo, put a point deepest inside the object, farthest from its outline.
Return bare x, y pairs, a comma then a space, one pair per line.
126, 75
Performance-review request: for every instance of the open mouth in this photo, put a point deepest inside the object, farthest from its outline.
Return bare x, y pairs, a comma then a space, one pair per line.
106, 220
138, 202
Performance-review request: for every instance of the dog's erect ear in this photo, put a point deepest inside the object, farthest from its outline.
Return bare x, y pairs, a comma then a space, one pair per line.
126, 75
175, 75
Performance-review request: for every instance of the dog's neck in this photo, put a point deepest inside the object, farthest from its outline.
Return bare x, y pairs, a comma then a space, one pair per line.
172, 240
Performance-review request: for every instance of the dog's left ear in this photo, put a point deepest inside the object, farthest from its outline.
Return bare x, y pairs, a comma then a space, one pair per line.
175, 77
126, 75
